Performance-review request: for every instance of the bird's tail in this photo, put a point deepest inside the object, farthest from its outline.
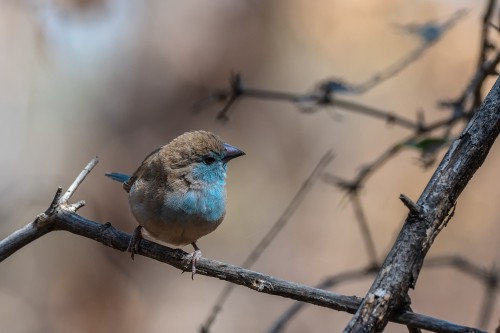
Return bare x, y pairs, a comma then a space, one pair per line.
119, 177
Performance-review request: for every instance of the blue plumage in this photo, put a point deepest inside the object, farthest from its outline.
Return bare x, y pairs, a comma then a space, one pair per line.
178, 193
119, 177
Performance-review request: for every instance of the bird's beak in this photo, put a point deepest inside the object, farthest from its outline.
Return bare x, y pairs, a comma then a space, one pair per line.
231, 152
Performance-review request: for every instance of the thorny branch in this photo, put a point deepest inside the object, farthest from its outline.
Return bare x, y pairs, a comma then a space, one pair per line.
402, 266
62, 216
462, 109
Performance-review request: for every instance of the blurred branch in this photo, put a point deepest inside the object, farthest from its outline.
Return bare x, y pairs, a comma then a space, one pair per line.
459, 263
485, 46
360, 216
489, 277
271, 234
328, 283
429, 33
428, 155
490, 295
62, 216
402, 266
326, 94
306, 102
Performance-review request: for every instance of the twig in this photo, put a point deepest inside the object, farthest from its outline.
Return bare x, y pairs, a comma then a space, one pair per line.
364, 172
430, 32
365, 230
485, 46
322, 98
328, 91
460, 264
490, 277
412, 206
490, 295
44, 223
52, 207
79, 179
387, 116
369, 169
476, 85
271, 234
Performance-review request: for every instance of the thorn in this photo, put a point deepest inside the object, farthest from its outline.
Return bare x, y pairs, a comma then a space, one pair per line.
76, 206
412, 206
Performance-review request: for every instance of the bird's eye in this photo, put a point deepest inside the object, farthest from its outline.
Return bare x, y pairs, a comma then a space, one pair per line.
208, 160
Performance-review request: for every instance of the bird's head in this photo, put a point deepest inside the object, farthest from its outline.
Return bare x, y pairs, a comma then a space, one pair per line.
203, 153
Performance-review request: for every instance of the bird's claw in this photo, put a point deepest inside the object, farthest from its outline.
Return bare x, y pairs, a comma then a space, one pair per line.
135, 240
195, 256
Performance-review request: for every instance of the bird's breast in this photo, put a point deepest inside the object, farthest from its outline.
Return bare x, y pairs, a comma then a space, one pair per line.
179, 217
206, 202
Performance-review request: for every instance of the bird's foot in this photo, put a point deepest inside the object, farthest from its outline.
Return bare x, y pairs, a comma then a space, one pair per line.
135, 240
195, 256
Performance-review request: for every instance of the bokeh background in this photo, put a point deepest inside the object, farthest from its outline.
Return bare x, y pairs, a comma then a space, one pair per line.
117, 78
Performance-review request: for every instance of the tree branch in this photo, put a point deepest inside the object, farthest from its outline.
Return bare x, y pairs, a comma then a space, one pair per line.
403, 263
61, 216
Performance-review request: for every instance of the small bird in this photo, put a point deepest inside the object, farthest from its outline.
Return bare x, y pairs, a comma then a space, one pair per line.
178, 194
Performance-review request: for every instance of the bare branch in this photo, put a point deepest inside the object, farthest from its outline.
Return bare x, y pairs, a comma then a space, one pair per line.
306, 102
327, 92
460, 264
72, 188
328, 283
429, 33
490, 278
44, 222
22, 237
114, 238
490, 295
485, 46
365, 230
402, 266
64, 218
52, 207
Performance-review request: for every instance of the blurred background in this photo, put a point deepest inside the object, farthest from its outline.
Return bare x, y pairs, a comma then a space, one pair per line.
117, 78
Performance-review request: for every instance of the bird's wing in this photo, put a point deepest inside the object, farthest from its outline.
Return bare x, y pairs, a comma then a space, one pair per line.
140, 170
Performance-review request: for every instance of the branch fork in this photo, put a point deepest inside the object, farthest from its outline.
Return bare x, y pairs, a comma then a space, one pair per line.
60, 201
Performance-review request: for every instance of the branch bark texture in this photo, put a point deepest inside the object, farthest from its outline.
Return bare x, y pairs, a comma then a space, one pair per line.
389, 291
63, 218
